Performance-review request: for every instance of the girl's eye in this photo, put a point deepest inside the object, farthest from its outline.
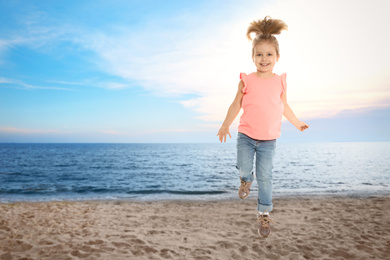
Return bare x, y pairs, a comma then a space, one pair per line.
269, 54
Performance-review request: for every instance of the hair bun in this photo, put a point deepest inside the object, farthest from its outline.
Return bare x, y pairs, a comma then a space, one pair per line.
267, 26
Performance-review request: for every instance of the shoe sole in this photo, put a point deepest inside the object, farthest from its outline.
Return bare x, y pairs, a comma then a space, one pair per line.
262, 236
243, 197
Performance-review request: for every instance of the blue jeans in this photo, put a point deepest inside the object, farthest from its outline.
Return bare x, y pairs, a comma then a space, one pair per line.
265, 153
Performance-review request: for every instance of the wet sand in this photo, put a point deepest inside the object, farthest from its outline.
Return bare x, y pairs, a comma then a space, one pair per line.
308, 228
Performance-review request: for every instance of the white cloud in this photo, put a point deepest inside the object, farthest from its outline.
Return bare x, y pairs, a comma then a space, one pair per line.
205, 62
3, 48
5, 45
16, 130
335, 54
91, 83
20, 84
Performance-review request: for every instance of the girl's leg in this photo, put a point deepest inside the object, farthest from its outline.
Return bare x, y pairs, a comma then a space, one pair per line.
265, 152
245, 155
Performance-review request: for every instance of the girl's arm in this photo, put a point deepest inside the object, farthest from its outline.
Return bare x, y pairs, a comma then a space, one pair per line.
289, 114
233, 111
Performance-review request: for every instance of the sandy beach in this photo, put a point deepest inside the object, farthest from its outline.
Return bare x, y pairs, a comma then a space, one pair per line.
308, 228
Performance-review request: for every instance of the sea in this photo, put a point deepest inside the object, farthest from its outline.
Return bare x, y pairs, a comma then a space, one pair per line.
46, 172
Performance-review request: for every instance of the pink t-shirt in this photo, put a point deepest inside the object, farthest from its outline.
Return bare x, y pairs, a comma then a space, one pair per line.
262, 105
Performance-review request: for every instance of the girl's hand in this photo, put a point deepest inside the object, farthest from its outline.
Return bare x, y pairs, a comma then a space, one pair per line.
223, 131
302, 126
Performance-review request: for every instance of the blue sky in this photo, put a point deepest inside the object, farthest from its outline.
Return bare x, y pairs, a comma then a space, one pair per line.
166, 71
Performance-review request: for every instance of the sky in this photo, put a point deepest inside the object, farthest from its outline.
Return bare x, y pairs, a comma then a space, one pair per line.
167, 71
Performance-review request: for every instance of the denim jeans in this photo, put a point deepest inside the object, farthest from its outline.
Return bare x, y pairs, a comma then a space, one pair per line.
265, 153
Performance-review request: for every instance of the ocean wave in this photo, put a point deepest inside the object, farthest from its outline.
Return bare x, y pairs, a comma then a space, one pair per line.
183, 192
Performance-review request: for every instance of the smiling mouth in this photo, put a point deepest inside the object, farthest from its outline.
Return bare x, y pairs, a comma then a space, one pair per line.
264, 64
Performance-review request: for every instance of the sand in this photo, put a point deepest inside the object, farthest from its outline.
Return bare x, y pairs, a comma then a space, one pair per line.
308, 228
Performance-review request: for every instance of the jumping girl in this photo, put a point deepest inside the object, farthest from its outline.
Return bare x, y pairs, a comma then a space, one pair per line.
262, 96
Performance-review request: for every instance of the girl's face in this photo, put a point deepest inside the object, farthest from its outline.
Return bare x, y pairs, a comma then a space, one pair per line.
265, 57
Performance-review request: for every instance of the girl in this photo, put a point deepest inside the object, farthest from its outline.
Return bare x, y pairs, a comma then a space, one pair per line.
262, 95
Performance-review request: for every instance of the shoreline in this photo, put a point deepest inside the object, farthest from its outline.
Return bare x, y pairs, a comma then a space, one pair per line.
315, 227
232, 196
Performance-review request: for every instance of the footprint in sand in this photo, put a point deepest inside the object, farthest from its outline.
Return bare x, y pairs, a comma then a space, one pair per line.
95, 242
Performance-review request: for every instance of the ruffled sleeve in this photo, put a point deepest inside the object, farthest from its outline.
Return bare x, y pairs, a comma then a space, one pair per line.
243, 77
284, 82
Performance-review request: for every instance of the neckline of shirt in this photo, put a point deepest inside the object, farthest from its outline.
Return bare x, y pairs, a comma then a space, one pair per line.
253, 73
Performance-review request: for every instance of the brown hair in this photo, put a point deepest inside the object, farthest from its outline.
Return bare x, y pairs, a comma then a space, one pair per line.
265, 30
